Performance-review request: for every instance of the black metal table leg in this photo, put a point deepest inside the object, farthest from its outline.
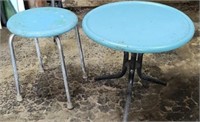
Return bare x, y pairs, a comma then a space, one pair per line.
144, 77
119, 74
130, 85
134, 64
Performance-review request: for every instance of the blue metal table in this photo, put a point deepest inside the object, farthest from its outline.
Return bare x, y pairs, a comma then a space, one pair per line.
137, 27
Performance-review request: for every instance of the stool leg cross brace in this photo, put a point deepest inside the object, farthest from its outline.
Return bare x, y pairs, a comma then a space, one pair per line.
134, 64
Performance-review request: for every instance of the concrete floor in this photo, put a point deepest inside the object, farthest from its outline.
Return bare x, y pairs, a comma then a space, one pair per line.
44, 96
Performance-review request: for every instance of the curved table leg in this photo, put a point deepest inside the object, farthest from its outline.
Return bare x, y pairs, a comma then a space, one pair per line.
130, 85
144, 77
119, 74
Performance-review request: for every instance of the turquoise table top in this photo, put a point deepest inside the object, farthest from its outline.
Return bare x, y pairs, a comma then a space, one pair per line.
138, 27
42, 22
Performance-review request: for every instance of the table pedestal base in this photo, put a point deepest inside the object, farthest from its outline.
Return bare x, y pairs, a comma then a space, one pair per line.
134, 64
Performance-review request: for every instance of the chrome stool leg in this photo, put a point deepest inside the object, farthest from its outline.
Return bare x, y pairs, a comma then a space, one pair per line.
81, 52
39, 54
12, 53
69, 103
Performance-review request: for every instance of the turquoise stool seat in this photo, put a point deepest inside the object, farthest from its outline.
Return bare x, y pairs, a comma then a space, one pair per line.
42, 22
137, 27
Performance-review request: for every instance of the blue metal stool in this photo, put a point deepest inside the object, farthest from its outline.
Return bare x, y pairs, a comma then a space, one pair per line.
44, 22
137, 27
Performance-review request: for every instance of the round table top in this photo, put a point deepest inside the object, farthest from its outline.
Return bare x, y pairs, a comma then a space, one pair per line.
42, 22
138, 27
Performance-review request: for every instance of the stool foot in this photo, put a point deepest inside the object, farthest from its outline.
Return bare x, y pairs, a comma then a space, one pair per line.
19, 97
85, 77
41, 70
69, 106
80, 52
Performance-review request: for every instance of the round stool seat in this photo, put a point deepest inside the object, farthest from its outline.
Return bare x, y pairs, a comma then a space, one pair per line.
42, 22
138, 27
